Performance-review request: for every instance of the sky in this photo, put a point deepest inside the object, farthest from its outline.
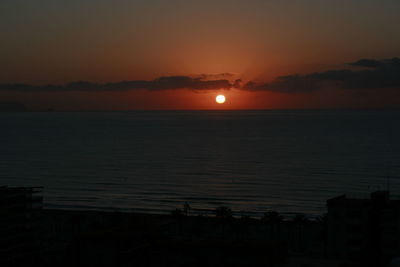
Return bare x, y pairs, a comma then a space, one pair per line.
176, 54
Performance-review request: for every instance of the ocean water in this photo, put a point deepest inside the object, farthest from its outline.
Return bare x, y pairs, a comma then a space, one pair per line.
154, 161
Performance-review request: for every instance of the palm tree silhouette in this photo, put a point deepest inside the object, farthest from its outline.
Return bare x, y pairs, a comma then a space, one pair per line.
223, 214
177, 214
323, 221
274, 220
300, 219
186, 208
272, 217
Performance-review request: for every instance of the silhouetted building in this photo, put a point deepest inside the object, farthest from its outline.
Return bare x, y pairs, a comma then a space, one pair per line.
364, 230
18, 225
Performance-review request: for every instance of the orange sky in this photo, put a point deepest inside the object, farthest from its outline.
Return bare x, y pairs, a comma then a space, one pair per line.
57, 42
187, 100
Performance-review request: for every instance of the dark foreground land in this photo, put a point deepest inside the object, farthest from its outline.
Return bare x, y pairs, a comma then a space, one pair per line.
355, 232
92, 238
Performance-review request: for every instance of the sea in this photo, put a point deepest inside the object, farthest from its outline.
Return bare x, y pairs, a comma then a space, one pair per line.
290, 161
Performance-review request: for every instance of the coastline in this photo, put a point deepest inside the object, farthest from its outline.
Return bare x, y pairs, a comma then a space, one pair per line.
54, 237
77, 232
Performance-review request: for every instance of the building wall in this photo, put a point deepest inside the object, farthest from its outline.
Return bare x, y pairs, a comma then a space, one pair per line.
364, 230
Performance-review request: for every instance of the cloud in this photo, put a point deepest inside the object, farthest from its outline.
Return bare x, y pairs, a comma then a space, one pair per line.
225, 76
372, 63
376, 74
162, 83
369, 74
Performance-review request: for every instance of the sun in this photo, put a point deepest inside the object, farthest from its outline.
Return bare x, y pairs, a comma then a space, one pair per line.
220, 99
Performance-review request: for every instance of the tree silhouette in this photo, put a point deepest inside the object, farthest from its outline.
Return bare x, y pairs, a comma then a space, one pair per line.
176, 213
300, 219
323, 221
274, 220
224, 214
186, 208
272, 217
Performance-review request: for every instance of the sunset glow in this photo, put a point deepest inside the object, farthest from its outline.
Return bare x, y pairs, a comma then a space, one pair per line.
281, 55
220, 99
160, 127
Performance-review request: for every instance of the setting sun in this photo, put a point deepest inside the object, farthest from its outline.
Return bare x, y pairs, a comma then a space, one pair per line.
220, 99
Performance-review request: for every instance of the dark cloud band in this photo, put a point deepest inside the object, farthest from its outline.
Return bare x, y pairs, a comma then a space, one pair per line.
162, 83
374, 74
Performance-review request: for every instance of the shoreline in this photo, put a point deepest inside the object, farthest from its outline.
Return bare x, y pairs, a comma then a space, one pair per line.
177, 236
193, 212
57, 237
